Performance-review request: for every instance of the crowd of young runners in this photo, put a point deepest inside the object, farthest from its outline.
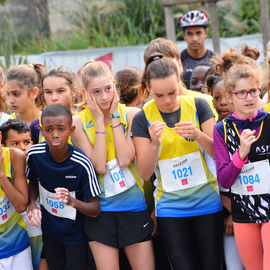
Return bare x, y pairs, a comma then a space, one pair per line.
137, 171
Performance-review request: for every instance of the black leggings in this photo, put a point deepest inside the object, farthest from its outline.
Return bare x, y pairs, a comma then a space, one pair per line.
193, 242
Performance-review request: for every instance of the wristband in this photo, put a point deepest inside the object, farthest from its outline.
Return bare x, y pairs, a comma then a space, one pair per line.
117, 125
116, 115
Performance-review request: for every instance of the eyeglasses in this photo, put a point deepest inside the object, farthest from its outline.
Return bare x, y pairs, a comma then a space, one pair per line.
242, 94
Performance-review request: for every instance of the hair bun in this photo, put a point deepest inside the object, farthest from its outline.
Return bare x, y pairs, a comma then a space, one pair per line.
250, 52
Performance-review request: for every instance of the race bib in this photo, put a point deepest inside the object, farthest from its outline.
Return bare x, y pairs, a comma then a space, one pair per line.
49, 202
182, 172
253, 179
6, 209
116, 179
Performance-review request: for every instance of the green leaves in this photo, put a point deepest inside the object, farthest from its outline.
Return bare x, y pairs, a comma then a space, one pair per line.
242, 19
119, 23
111, 23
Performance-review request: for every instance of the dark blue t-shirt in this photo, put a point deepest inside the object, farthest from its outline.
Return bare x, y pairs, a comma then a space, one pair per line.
76, 174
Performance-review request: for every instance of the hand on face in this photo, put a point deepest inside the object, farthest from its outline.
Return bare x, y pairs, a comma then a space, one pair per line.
93, 106
155, 131
115, 101
246, 139
187, 130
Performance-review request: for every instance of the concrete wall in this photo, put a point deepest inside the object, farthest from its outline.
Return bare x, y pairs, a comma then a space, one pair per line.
130, 56
60, 14
26, 16
55, 15
127, 56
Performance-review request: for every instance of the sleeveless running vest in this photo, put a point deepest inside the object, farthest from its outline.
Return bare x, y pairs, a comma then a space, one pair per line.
250, 208
13, 229
266, 107
112, 199
185, 186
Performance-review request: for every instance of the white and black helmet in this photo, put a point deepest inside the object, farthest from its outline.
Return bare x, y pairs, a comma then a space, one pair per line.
194, 18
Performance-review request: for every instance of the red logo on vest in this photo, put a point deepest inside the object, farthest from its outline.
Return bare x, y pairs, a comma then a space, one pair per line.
184, 181
122, 184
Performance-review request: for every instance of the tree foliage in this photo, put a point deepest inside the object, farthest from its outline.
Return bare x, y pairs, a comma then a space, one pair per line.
242, 19
119, 23
110, 23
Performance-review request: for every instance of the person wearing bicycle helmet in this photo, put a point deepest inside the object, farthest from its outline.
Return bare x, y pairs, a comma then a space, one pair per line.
194, 25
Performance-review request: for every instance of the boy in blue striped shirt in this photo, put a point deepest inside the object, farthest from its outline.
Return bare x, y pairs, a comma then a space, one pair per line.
66, 182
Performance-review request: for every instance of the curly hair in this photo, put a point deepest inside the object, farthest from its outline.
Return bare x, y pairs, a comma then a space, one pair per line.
234, 66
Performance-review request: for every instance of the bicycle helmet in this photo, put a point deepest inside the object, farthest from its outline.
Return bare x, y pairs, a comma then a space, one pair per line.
194, 18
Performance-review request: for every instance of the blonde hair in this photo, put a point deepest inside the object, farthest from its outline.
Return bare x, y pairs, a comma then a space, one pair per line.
93, 69
90, 70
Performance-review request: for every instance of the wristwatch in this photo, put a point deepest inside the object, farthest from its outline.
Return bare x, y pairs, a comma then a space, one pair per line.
116, 115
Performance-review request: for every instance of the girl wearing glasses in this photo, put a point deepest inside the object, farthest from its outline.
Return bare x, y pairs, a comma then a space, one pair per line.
242, 148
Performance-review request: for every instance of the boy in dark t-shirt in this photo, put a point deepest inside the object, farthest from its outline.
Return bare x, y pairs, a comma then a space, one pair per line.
66, 182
